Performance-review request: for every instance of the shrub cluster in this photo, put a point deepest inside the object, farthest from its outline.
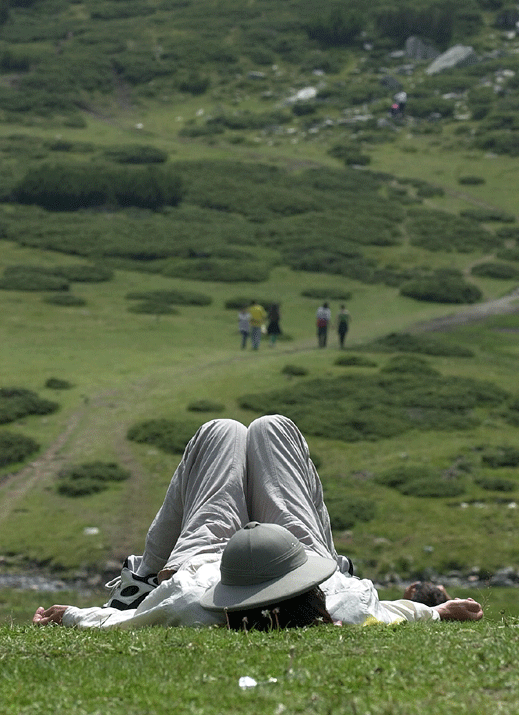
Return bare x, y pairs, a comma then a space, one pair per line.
205, 406
501, 457
78, 186
409, 343
18, 402
345, 512
56, 383
66, 299
441, 288
495, 269
30, 279
15, 447
171, 297
371, 407
409, 364
420, 481
327, 293
295, 370
441, 231
488, 215
354, 361
170, 436
150, 307
90, 478
495, 484
136, 154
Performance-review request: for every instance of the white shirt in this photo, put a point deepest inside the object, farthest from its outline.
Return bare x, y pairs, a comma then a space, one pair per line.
176, 602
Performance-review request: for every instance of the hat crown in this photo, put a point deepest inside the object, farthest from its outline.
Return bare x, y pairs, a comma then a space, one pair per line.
260, 552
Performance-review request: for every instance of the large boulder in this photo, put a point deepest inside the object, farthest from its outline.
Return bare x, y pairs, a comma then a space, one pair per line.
457, 56
417, 49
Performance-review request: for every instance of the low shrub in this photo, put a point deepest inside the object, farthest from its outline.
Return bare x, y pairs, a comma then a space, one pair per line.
508, 254
496, 484
354, 361
66, 299
327, 294
345, 512
422, 344
221, 271
150, 307
397, 477
32, 281
433, 488
18, 402
175, 297
441, 289
501, 457
441, 231
494, 269
294, 370
89, 478
170, 436
55, 383
205, 406
471, 180
136, 154
488, 215
409, 363
81, 273
15, 447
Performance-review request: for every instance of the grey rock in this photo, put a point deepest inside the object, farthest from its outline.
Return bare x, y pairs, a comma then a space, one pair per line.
456, 56
417, 49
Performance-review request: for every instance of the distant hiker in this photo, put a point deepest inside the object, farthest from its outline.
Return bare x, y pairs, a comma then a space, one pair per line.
401, 100
323, 317
244, 325
273, 329
343, 322
257, 321
243, 539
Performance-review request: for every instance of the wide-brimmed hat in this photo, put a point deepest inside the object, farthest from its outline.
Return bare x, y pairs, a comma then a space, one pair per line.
263, 564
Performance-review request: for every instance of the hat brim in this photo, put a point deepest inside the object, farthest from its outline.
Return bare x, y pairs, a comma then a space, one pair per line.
237, 598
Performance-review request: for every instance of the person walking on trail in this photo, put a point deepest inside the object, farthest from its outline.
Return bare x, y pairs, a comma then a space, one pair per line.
323, 317
258, 316
343, 324
243, 539
273, 329
244, 326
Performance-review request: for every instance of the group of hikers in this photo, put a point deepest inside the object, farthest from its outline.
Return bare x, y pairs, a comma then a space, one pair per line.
254, 320
243, 540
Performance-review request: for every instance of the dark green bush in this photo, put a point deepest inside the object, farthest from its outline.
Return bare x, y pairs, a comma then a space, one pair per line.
205, 406
422, 344
327, 294
345, 512
441, 231
508, 254
409, 363
18, 402
81, 273
354, 361
32, 281
151, 307
441, 289
494, 269
499, 142
424, 108
496, 484
432, 488
397, 477
89, 478
488, 215
170, 436
294, 370
224, 271
136, 154
501, 457
66, 299
15, 448
471, 180
173, 297
55, 383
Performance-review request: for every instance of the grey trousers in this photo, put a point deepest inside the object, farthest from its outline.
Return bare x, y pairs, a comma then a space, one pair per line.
230, 475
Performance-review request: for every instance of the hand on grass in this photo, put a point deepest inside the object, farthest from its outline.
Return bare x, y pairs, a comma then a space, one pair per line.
460, 609
49, 616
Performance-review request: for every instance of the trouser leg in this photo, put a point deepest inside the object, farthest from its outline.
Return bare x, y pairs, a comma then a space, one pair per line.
205, 501
283, 485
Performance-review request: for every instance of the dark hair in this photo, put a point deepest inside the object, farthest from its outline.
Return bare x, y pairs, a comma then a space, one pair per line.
307, 609
429, 594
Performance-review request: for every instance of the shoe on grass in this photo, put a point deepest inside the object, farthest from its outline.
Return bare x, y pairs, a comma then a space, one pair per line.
129, 589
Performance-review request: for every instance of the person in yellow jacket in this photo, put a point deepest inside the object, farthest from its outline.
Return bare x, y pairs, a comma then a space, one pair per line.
258, 315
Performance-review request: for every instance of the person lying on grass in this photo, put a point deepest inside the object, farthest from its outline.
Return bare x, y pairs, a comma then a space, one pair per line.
243, 539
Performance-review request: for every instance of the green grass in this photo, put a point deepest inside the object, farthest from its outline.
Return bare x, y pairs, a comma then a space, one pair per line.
447, 668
